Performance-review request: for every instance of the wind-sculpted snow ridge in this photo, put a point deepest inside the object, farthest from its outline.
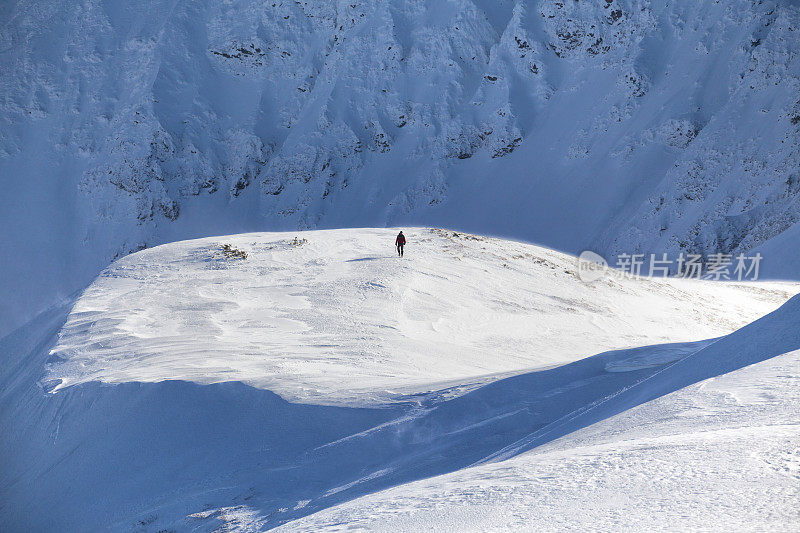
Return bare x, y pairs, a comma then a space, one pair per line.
620, 125
362, 325
719, 455
128, 412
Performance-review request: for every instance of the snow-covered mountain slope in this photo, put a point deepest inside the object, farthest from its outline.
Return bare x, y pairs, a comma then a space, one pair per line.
331, 316
720, 455
618, 125
151, 427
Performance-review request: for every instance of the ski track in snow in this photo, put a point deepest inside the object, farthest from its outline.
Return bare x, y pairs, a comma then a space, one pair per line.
154, 406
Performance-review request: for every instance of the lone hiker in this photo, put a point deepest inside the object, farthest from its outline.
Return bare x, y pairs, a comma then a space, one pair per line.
399, 242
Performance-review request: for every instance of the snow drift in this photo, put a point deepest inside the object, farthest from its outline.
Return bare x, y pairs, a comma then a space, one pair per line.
718, 455
325, 315
147, 425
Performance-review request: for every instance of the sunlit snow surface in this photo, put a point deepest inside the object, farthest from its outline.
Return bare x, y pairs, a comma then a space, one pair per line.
322, 383
333, 316
721, 455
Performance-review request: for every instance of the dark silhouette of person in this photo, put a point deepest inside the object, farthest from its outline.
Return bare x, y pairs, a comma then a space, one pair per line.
399, 242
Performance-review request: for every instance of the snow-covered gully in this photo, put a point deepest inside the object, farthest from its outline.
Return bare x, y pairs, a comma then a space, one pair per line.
316, 380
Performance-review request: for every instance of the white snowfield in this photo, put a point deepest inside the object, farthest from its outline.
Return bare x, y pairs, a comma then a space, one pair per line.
324, 384
335, 317
720, 455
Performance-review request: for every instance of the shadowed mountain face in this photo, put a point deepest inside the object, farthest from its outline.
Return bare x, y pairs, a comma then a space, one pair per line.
620, 125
